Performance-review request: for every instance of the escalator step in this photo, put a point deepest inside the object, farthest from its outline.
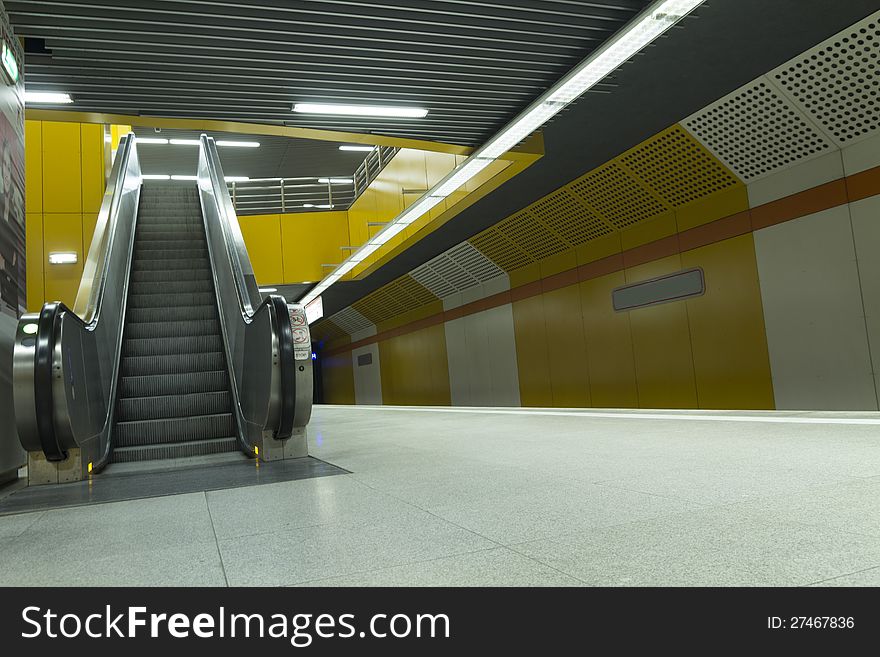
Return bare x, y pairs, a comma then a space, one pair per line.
179, 384
175, 450
166, 315
174, 364
163, 301
195, 344
183, 253
176, 264
170, 287
174, 430
167, 329
159, 275
173, 406
145, 246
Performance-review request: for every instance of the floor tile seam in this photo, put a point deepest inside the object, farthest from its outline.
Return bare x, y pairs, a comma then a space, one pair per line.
831, 579
216, 540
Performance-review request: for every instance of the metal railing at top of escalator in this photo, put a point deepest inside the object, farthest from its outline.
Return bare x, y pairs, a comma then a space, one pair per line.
274, 195
65, 363
266, 380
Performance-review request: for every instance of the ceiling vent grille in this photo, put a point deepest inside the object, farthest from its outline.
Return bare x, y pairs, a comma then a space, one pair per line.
677, 168
458, 269
351, 321
325, 329
474, 262
837, 84
756, 131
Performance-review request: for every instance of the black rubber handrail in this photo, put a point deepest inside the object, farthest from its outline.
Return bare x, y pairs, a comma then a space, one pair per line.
44, 398
288, 367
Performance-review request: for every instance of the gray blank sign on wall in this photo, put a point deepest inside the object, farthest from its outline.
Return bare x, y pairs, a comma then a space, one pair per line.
672, 287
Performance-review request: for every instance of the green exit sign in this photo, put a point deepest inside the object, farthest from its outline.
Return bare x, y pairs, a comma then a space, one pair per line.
9, 63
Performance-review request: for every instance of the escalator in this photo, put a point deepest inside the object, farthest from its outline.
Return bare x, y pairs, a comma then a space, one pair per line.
170, 350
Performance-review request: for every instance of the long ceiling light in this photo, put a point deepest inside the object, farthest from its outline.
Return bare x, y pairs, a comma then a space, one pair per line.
335, 181
323, 206
361, 110
637, 34
184, 142
365, 149
155, 176
239, 144
47, 97
151, 140
236, 178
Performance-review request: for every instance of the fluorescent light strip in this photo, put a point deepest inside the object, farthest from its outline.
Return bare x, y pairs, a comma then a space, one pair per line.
239, 144
49, 97
155, 176
151, 140
324, 206
365, 149
184, 142
236, 178
335, 181
360, 110
268, 290
649, 25
63, 258
184, 177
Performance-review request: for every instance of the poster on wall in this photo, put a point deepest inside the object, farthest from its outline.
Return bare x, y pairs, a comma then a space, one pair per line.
12, 235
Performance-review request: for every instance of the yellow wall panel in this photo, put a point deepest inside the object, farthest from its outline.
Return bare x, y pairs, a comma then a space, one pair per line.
438, 165
527, 274
531, 352
33, 166
310, 239
661, 226
61, 137
731, 362
62, 232
662, 345
609, 345
262, 237
337, 377
415, 369
557, 263
598, 248
92, 165
566, 348
62, 181
88, 231
34, 260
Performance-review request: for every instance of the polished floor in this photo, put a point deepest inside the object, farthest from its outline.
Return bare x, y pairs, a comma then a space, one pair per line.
502, 497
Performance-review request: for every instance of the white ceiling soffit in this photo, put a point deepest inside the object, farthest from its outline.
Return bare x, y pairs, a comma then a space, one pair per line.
351, 321
826, 98
458, 269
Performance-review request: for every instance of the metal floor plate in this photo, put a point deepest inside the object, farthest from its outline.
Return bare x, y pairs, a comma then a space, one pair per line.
132, 485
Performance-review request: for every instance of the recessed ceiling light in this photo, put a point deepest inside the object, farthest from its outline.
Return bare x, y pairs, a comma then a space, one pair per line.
347, 147
155, 176
151, 140
240, 144
184, 142
335, 181
360, 110
47, 97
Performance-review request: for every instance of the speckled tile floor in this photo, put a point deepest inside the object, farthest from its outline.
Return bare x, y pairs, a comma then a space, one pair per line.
489, 497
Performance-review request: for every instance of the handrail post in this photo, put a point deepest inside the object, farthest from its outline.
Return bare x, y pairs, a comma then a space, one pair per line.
282, 196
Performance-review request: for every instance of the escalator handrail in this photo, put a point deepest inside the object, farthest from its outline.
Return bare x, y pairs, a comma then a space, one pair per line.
247, 290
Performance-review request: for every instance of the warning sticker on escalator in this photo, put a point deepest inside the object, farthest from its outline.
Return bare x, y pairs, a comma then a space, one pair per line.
302, 341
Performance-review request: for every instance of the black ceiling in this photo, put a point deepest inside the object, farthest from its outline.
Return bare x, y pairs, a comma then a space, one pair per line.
472, 64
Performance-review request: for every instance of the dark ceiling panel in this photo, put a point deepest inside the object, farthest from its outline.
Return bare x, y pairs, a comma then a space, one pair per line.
472, 64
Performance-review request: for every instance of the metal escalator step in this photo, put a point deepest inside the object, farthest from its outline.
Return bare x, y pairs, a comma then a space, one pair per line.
194, 344
176, 299
173, 430
169, 245
160, 328
175, 229
177, 314
173, 364
160, 275
170, 287
173, 406
183, 253
175, 450
146, 264
177, 384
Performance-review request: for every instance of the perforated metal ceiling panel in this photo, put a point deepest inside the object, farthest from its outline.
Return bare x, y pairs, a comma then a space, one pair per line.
755, 131
472, 64
395, 298
501, 250
837, 83
569, 217
616, 196
460, 268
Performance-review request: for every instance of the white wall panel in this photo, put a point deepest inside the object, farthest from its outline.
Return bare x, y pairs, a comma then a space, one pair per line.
458, 361
477, 338
866, 230
502, 355
813, 314
367, 378
861, 156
